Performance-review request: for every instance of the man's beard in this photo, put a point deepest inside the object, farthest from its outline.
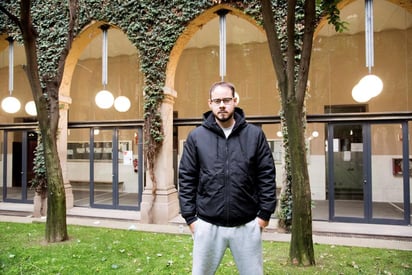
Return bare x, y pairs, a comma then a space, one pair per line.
224, 119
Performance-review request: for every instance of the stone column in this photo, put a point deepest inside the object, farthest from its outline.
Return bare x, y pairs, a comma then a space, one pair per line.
164, 205
64, 103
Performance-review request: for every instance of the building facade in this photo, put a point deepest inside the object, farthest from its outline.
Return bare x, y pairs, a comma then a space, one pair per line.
358, 152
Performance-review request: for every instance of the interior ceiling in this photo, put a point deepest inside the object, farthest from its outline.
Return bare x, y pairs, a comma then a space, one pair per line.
386, 16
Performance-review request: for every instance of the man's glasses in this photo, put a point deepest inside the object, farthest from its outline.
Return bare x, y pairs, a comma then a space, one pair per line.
225, 100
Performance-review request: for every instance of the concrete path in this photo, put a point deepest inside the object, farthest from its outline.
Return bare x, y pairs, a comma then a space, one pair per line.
346, 234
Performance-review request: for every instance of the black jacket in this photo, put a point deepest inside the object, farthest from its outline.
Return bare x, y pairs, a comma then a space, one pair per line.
227, 181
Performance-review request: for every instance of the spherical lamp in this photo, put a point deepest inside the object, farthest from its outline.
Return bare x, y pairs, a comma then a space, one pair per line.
359, 94
315, 134
10, 105
104, 99
30, 108
122, 104
372, 84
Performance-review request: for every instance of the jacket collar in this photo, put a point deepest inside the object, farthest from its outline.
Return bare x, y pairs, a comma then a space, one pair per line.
209, 120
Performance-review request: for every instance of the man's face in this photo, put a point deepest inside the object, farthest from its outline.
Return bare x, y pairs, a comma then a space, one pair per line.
222, 103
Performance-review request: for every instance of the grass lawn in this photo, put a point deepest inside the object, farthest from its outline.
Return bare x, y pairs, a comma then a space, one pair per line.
93, 250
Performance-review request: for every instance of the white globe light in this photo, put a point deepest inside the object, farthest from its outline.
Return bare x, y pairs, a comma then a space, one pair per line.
372, 84
10, 105
315, 134
104, 99
30, 108
279, 133
122, 104
359, 94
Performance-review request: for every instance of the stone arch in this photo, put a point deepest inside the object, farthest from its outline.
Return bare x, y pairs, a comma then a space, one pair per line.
191, 29
167, 196
402, 3
79, 44
347, 50
342, 4
83, 39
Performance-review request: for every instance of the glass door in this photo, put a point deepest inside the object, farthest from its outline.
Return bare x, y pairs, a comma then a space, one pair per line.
390, 173
105, 167
369, 170
345, 181
103, 174
17, 160
130, 167
116, 174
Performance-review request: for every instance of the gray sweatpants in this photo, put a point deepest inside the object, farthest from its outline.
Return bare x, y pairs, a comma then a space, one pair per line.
211, 241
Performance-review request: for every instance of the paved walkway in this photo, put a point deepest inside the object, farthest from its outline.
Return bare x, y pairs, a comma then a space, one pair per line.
347, 234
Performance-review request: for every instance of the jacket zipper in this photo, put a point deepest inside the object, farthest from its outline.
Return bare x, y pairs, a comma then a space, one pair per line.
227, 185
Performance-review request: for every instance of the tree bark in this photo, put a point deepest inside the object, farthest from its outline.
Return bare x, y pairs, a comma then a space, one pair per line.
40, 204
292, 88
47, 105
56, 227
301, 246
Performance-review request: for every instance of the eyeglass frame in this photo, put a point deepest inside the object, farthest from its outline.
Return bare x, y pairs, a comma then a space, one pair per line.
225, 100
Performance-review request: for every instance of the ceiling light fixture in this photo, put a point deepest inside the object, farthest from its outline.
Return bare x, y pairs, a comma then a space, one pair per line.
30, 108
122, 104
11, 104
222, 42
104, 99
370, 85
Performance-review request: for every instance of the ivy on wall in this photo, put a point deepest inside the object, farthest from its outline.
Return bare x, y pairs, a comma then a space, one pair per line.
153, 27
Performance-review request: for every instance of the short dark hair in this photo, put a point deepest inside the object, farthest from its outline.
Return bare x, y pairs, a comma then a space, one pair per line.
224, 84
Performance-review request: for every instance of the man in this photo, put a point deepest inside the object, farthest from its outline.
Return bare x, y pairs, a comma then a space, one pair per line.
227, 187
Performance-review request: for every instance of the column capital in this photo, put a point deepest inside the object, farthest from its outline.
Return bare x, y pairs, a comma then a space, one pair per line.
67, 100
170, 95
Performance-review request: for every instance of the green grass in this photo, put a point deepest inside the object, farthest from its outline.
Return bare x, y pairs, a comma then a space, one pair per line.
93, 250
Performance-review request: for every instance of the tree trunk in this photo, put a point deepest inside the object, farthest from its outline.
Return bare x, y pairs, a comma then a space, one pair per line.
56, 227
301, 247
47, 105
40, 204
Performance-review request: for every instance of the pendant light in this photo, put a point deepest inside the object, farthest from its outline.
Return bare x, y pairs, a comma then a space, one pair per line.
30, 108
370, 85
122, 104
104, 99
222, 46
11, 104
222, 42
